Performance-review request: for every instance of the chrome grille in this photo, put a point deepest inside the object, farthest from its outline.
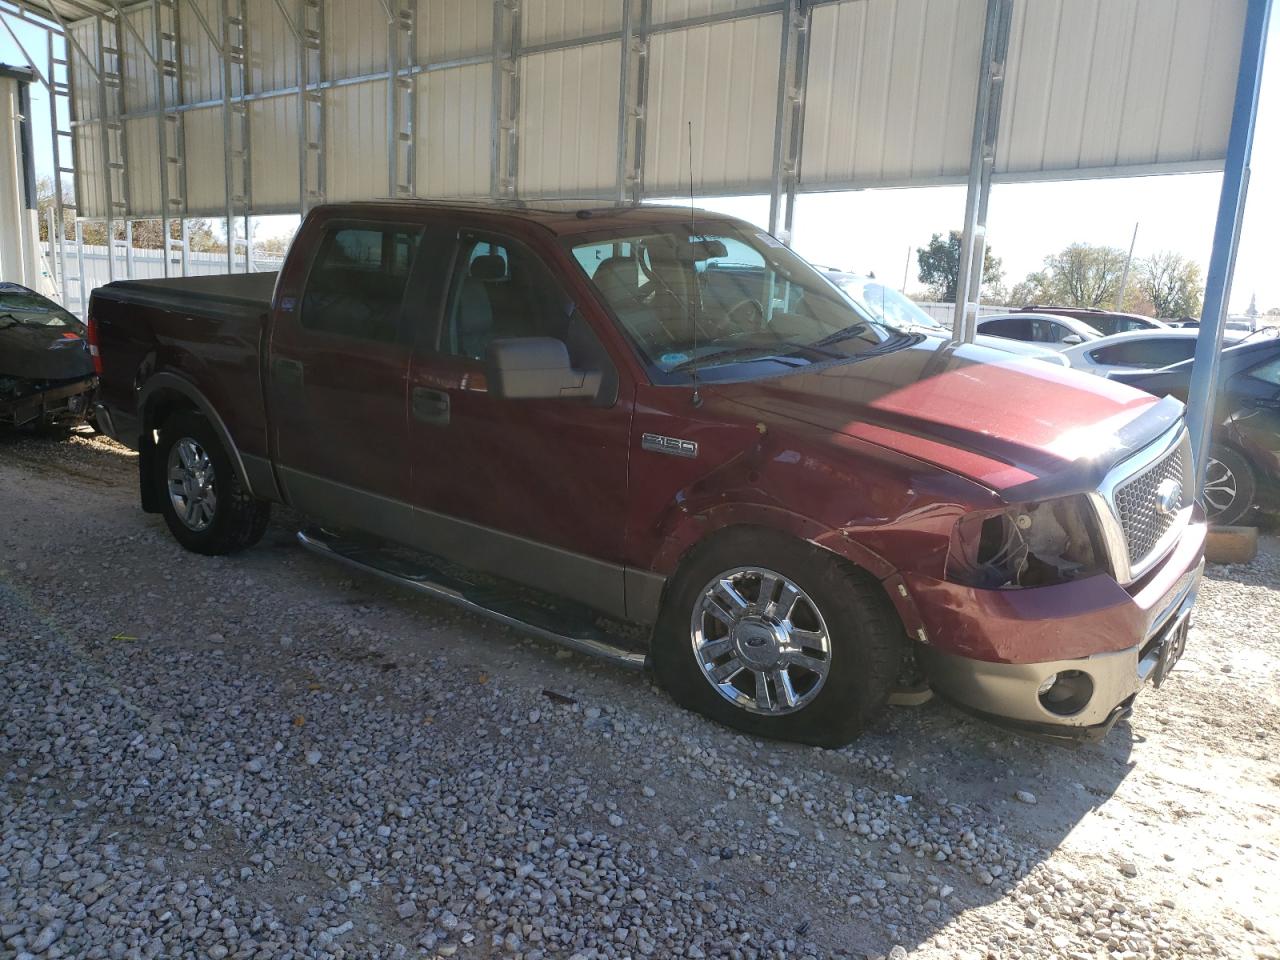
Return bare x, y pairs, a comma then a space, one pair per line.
1136, 501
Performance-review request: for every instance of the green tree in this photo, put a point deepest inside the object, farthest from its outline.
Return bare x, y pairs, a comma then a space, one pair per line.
940, 266
1171, 283
1082, 275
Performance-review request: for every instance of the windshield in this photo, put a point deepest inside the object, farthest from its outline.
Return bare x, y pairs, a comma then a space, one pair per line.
888, 305
729, 300
30, 309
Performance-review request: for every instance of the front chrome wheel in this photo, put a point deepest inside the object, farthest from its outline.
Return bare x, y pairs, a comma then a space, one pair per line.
1220, 487
760, 641
191, 482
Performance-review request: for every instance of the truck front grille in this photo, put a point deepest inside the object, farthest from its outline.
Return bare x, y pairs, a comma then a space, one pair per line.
1144, 518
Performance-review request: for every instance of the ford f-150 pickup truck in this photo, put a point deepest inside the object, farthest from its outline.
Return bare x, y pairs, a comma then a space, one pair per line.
667, 417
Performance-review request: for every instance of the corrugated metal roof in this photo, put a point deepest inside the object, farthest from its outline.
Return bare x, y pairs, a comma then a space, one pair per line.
1093, 87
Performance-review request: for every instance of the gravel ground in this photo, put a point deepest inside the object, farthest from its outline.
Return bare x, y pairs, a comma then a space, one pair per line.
263, 756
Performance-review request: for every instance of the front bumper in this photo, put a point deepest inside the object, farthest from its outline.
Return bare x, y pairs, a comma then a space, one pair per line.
63, 402
1133, 642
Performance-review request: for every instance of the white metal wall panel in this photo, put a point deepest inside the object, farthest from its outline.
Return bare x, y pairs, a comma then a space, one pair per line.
1106, 84
201, 66
549, 21
356, 31
273, 49
356, 142
206, 173
569, 120
454, 107
273, 134
143, 146
668, 11
453, 29
139, 74
84, 91
90, 164
891, 90
724, 78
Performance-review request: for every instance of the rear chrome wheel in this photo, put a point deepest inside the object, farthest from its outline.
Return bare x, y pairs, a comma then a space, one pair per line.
1220, 487
192, 484
761, 641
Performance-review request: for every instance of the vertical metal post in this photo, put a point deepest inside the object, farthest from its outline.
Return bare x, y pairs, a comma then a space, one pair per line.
310, 37
107, 153
633, 90
788, 131
128, 249
1202, 393
982, 158
504, 157
169, 122
82, 293
1124, 277
186, 247
401, 95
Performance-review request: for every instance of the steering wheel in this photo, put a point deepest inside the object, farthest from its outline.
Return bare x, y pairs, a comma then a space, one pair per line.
746, 316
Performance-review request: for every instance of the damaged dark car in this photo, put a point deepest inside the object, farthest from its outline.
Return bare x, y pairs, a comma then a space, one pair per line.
47, 379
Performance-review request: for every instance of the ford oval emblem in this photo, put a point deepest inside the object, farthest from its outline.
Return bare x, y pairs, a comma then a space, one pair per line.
1168, 497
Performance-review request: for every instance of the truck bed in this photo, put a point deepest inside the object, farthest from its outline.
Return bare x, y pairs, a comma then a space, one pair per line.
251, 290
208, 331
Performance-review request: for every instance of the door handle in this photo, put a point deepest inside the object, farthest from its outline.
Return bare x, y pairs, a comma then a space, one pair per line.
431, 406
287, 373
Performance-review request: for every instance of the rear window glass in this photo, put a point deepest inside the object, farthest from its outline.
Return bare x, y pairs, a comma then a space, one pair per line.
358, 281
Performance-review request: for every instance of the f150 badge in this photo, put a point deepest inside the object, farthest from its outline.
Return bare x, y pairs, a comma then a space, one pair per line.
672, 445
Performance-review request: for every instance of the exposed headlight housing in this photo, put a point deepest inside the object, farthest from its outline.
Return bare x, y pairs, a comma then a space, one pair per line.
1030, 545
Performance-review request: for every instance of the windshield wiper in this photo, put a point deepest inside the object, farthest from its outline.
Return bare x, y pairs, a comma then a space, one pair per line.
764, 349
843, 334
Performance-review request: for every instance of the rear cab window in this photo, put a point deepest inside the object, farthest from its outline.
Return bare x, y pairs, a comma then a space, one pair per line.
357, 283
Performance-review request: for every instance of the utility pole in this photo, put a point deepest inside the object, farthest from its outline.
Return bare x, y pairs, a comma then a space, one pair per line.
906, 269
1124, 277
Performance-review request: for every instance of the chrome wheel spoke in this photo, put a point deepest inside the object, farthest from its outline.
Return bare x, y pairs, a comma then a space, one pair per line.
816, 639
782, 684
733, 600
712, 606
786, 604
798, 658
715, 649
764, 700
768, 587
728, 670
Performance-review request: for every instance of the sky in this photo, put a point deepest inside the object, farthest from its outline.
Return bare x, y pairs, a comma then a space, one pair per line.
876, 231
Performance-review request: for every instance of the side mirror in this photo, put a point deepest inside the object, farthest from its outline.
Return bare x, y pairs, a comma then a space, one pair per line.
1071, 339
536, 368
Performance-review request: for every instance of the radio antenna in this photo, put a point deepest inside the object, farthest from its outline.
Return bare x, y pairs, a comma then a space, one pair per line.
693, 324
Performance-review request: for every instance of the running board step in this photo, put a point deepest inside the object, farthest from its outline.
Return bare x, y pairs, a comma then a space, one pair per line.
564, 623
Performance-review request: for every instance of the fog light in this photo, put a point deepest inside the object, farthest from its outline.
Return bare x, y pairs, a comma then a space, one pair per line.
1066, 693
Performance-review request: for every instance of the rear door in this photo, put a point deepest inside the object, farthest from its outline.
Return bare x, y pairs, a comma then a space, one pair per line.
533, 490
337, 369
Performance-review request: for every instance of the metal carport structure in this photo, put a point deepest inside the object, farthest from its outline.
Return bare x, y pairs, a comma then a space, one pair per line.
170, 109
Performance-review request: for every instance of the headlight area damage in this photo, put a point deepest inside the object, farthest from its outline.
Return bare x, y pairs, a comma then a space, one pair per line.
1031, 545
47, 375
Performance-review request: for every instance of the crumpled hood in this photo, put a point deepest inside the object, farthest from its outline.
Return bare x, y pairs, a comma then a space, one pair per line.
1019, 426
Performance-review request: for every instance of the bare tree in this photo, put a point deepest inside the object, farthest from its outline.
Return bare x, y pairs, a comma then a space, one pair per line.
1172, 284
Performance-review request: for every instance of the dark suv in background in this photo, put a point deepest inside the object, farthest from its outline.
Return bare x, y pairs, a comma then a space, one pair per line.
1106, 322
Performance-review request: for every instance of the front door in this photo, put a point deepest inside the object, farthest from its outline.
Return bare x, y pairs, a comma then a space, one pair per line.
533, 490
337, 369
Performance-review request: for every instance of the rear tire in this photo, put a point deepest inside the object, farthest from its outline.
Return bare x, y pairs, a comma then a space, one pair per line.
207, 508
826, 667
1230, 487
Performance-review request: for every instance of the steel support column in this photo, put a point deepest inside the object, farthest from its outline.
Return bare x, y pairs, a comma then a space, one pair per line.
788, 131
633, 95
401, 95
504, 142
982, 159
1203, 390
171, 136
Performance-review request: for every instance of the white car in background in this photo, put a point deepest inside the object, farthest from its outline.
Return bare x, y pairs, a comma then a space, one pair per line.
897, 310
1139, 350
1048, 330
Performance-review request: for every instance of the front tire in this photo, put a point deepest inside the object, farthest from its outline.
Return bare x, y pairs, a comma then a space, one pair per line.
1229, 486
778, 639
207, 508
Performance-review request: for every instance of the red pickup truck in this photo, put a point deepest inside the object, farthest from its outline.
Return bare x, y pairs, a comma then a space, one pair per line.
667, 417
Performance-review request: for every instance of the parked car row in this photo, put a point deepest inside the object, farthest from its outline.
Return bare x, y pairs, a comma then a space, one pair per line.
1243, 471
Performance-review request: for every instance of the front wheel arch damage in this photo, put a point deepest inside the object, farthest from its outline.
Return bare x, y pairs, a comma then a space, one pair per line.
869, 648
